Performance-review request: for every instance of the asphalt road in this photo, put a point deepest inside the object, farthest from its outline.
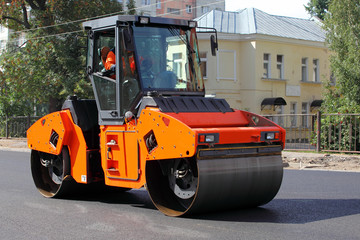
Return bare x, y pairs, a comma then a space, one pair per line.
310, 205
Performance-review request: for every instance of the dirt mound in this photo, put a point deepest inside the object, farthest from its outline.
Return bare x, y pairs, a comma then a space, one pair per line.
303, 160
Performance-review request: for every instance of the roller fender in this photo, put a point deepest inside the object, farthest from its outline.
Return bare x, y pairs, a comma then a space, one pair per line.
50, 133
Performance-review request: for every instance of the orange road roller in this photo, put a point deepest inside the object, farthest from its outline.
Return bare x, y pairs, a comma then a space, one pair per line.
152, 125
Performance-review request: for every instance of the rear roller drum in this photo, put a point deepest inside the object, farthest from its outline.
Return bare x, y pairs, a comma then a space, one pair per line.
184, 186
50, 171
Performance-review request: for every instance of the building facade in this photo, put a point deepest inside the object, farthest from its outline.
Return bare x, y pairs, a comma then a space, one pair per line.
265, 64
4, 37
180, 9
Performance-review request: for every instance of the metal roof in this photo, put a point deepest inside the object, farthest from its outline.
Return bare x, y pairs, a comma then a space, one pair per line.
255, 21
112, 21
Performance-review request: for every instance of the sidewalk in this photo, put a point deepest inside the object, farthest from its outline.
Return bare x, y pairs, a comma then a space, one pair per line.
14, 144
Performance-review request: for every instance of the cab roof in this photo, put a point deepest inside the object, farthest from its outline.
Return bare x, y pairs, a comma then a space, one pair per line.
113, 20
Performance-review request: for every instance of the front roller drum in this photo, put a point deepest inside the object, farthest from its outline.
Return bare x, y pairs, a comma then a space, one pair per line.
51, 173
186, 186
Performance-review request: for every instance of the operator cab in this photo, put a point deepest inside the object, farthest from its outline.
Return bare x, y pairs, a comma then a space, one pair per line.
154, 57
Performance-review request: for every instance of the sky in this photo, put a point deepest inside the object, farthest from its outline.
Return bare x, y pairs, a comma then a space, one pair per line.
289, 8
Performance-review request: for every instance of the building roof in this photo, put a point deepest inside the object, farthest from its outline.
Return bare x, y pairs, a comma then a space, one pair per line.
255, 21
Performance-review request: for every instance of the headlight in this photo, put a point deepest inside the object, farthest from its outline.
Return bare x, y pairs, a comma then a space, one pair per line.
270, 136
192, 24
144, 20
266, 136
209, 138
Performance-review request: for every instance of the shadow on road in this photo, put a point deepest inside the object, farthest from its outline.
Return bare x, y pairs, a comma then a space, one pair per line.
291, 211
111, 195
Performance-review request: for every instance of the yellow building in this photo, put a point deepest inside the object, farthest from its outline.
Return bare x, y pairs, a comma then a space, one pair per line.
265, 64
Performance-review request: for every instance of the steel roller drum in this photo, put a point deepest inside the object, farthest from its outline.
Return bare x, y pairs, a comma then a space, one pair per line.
221, 183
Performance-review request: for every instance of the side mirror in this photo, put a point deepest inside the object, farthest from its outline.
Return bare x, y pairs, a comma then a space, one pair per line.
214, 45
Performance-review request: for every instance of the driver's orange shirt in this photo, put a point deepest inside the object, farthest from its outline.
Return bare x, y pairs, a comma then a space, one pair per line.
111, 60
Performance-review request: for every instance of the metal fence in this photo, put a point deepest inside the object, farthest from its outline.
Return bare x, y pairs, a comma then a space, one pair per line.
321, 132
340, 132
16, 127
300, 130
315, 132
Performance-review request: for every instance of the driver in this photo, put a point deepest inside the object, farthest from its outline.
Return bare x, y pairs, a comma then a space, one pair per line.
110, 63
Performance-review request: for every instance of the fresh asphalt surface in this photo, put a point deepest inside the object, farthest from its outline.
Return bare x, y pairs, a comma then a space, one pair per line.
310, 205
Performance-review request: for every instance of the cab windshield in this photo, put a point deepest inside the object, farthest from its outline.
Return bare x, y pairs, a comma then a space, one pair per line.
168, 58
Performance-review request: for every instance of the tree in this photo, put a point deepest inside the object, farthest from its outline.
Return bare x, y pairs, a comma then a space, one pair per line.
51, 64
317, 8
342, 24
131, 5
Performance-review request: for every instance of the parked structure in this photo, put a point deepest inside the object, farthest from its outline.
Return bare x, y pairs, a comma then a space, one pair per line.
266, 64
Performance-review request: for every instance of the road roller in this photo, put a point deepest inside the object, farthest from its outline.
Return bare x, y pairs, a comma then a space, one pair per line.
151, 125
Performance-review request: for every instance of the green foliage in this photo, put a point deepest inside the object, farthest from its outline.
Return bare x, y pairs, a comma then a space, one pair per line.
343, 36
51, 65
340, 132
340, 126
317, 8
131, 5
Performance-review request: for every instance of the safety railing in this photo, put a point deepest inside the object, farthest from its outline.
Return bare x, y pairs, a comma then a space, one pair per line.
300, 130
340, 133
16, 127
314, 132
321, 132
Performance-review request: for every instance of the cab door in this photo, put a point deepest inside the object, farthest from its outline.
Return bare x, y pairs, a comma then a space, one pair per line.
121, 155
115, 95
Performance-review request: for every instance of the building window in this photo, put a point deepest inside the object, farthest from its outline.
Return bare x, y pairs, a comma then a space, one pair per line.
204, 9
158, 4
305, 112
145, 2
175, 11
280, 66
316, 70
267, 66
293, 110
188, 8
177, 64
304, 69
203, 59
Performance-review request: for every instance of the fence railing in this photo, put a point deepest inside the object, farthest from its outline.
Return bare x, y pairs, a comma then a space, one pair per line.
300, 130
340, 132
321, 132
16, 127
315, 132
